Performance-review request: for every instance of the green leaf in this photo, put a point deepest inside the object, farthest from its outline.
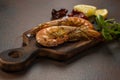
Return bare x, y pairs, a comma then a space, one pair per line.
106, 35
109, 28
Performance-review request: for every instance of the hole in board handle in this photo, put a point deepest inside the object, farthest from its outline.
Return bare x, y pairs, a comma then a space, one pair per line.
15, 54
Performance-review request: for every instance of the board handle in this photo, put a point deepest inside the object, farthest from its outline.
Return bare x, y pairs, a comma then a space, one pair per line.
18, 59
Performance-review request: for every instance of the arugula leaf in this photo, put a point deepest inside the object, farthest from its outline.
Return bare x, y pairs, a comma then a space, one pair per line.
109, 28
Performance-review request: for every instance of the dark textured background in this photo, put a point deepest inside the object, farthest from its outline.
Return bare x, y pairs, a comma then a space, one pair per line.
17, 16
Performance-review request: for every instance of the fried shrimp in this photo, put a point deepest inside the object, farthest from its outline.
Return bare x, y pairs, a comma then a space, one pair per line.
62, 30
53, 36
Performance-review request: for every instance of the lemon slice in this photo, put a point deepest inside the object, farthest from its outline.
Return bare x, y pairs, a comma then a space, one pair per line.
102, 12
88, 10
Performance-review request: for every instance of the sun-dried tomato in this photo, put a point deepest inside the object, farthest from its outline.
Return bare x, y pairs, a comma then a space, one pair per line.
58, 14
77, 14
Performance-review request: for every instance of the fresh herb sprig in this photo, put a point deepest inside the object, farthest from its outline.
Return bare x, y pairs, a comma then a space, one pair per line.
109, 28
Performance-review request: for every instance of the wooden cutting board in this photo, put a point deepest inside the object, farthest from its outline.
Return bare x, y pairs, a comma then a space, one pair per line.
20, 58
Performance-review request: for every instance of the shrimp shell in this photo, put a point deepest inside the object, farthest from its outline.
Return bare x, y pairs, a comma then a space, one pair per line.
52, 36
62, 30
67, 21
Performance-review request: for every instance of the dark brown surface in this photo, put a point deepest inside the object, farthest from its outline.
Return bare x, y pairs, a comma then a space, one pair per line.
18, 16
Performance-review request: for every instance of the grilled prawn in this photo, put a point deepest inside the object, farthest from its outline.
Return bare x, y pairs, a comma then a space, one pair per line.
62, 30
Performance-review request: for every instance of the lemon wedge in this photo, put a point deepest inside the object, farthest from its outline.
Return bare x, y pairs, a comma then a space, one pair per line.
102, 12
88, 10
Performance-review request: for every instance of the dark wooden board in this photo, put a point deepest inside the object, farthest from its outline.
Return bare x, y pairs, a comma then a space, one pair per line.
20, 58
60, 52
